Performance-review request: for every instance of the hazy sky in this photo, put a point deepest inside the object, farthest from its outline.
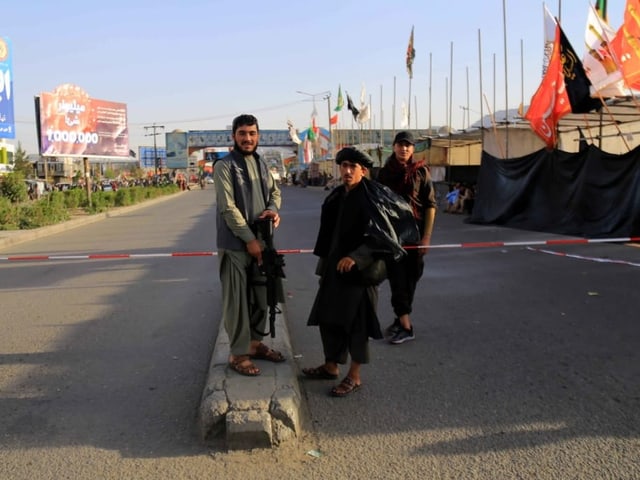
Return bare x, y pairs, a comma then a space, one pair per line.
195, 64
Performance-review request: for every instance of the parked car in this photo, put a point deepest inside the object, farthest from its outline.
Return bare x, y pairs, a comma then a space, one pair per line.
106, 187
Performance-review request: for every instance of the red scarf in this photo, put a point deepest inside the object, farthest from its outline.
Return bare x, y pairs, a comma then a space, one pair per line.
403, 178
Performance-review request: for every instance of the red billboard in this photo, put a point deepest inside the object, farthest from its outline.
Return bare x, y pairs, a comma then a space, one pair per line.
70, 123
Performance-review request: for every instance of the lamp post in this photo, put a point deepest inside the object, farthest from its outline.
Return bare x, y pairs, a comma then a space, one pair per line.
326, 95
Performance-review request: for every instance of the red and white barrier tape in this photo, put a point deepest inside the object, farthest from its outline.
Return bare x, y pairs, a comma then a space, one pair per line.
100, 256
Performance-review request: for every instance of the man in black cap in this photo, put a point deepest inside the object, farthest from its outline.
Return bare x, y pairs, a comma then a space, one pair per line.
410, 179
345, 305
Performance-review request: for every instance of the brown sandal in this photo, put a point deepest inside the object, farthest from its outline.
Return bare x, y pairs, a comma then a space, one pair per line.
345, 387
244, 366
265, 353
319, 373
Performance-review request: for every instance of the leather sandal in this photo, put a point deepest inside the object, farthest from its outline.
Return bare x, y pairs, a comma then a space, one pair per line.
244, 366
319, 373
346, 387
265, 353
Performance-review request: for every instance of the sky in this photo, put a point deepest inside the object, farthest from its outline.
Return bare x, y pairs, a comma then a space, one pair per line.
196, 64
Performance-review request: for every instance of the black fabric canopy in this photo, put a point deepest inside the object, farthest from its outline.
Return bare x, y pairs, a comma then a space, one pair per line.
590, 194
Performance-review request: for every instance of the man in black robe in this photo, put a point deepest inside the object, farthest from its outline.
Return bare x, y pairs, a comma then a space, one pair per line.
352, 236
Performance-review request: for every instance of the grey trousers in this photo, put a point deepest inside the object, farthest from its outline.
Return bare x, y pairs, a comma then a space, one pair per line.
244, 309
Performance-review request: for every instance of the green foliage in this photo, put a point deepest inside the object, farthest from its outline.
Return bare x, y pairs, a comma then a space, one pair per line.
56, 206
75, 198
13, 187
46, 211
122, 198
9, 215
21, 163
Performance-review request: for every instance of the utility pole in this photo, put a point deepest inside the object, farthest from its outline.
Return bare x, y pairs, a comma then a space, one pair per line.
154, 127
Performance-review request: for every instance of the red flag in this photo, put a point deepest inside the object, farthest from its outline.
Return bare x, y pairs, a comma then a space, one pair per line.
626, 45
550, 102
411, 55
334, 120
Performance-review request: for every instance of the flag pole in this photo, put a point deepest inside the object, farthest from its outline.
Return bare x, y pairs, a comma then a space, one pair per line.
480, 83
381, 118
409, 106
430, 84
506, 86
393, 113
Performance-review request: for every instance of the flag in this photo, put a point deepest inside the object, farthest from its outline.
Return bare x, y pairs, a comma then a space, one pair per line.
411, 54
626, 46
363, 116
334, 120
352, 108
293, 133
314, 127
601, 8
404, 115
307, 151
599, 63
575, 79
551, 101
565, 88
311, 134
340, 104
549, 38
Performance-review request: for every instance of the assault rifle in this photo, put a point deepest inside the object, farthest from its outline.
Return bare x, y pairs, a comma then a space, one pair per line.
271, 269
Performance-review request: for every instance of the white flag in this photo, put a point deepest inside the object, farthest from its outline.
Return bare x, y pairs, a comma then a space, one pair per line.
293, 133
363, 116
598, 63
404, 117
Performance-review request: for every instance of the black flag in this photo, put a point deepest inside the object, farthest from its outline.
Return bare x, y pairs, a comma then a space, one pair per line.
352, 107
575, 79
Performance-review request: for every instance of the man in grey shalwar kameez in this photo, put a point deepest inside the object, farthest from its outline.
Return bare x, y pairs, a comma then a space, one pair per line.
245, 192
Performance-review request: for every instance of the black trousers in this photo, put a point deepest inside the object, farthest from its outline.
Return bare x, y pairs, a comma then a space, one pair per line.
338, 342
403, 280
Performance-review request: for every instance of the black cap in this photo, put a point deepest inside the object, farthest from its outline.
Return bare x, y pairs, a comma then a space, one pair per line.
352, 154
404, 137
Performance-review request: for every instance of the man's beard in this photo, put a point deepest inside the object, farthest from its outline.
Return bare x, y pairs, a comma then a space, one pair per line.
242, 150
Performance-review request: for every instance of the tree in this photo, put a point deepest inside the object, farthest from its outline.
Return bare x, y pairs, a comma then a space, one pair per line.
21, 163
13, 187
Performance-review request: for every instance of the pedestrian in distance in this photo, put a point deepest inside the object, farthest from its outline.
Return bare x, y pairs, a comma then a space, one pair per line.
348, 244
245, 192
410, 179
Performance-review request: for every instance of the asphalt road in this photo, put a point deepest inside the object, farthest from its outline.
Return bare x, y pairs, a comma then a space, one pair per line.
526, 364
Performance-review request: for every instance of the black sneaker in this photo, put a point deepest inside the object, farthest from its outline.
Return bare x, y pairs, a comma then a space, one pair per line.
402, 336
392, 329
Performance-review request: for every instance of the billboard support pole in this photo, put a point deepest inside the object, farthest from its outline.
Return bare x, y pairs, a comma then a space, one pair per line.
87, 178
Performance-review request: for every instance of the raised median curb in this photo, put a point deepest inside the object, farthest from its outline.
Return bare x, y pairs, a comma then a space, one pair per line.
252, 412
